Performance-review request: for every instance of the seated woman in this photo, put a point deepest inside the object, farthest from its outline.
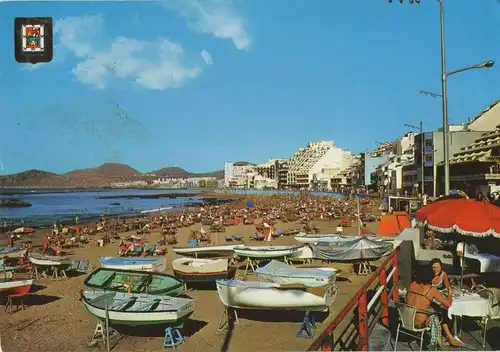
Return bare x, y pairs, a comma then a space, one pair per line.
440, 280
420, 295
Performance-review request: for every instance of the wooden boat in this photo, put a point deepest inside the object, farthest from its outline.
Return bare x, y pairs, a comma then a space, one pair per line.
266, 251
106, 279
281, 273
305, 238
137, 309
202, 270
48, 260
15, 286
12, 252
5, 276
269, 295
152, 264
222, 250
22, 230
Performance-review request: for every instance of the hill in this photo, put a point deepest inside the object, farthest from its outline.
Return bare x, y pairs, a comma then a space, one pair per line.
35, 178
178, 172
104, 174
100, 176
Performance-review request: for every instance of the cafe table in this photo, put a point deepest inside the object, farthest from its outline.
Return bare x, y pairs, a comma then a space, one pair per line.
469, 305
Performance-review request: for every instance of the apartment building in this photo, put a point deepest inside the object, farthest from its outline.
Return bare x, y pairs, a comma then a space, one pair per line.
314, 165
235, 174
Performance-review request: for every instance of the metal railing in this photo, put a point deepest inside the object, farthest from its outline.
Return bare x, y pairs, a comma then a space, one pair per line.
356, 327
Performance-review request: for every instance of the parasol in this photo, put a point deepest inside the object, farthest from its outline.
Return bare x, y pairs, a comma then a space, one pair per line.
465, 216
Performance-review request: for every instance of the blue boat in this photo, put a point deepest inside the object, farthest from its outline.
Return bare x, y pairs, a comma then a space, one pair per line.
12, 252
153, 264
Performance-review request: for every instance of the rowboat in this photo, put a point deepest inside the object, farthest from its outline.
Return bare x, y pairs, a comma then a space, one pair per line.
105, 279
281, 273
5, 276
16, 286
266, 251
202, 270
48, 260
132, 309
12, 252
155, 210
153, 264
268, 295
305, 238
222, 250
22, 230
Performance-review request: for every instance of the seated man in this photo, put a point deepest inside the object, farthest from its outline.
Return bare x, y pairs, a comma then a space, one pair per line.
421, 293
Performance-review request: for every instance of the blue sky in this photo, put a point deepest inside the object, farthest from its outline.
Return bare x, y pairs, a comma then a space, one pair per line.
195, 83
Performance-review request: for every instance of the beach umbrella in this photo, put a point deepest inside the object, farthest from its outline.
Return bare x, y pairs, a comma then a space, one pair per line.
466, 216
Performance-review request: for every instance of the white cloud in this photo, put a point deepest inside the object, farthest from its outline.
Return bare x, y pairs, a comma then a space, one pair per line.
100, 63
206, 57
217, 17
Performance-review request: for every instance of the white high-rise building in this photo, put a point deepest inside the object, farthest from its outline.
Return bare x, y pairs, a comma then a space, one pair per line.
235, 174
315, 165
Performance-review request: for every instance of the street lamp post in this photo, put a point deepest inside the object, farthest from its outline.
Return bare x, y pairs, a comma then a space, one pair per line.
444, 75
422, 138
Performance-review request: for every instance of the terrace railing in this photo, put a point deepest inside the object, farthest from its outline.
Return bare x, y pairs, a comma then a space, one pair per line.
351, 327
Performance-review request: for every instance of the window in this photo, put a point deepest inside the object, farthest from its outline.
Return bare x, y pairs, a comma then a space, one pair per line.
428, 142
428, 158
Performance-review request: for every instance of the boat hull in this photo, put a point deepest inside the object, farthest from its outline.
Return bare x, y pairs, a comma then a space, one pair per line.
204, 277
273, 296
306, 281
223, 250
266, 252
134, 319
13, 254
202, 270
15, 285
48, 262
153, 265
314, 239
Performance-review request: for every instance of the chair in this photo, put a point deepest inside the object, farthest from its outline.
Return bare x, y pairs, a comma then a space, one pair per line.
407, 322
493, 295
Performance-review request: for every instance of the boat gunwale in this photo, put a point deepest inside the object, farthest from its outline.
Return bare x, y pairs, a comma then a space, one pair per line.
181, 283
86, 302
269, 248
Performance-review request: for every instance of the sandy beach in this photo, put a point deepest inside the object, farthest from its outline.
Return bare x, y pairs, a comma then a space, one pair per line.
55, 320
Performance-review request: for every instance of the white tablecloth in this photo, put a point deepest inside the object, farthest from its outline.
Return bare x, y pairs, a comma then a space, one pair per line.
471, 305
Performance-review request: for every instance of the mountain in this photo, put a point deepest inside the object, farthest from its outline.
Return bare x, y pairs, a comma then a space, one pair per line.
35, 178
99, 176
104, 174
178, 172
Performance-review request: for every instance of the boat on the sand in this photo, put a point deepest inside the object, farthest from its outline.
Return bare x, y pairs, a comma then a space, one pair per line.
106, 279
132, 309
281, 273
22, 230
48, 260
268, 295
202, 270
155, 210
306, 238
12, 252
152, 264
222, 250
266, 251
15, 286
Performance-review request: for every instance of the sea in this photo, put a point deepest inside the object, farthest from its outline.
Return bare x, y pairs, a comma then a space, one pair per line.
63, 205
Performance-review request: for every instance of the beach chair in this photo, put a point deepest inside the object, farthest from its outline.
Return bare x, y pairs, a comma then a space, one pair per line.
406, 324
237, 237
229, 238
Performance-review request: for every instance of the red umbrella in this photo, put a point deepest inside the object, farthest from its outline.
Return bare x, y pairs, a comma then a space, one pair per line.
465, 216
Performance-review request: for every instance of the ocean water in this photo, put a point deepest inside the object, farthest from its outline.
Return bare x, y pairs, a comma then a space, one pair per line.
65, 206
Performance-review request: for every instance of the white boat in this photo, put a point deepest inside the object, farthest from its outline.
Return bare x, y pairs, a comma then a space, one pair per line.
305, 238
137, 309
266, 251
152, 264
16, 286
48, 260
155, 210
12, 252
222, 250
201, 270
281, 273
268, 295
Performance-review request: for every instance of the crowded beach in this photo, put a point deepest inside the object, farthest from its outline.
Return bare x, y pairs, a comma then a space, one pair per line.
212, 277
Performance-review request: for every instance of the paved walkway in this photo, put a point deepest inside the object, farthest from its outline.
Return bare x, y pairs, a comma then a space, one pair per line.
382, 339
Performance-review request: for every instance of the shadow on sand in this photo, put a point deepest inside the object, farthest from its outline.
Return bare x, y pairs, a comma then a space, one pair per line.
191, 327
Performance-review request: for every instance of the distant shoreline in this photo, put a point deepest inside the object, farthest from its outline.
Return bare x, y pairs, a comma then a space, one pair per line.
8, 191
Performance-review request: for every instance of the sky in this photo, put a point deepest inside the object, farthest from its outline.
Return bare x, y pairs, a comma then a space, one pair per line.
195, 83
